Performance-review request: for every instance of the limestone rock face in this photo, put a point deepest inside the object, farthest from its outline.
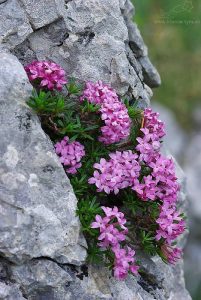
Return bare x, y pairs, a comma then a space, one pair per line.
93, 39
42, 252
37, 202
14, 25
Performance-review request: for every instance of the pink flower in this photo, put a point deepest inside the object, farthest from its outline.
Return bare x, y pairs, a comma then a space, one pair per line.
119, 172
162, 184
111, 227
70, 154
163, 171
124, 262
112, 233
113, 112
171, 224
100, 223
117, 122
172, 255
111, 236
149, 145
49, 74
147, 189
98, 92
115, 213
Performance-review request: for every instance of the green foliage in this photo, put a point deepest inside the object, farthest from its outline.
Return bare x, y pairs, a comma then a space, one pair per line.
148, 242
80, 184
44, 103
72, 126
73, 87
95, 255
88, 107
135, 115
88, 208
133, 110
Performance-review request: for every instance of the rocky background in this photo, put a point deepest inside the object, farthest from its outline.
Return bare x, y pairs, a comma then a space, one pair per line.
42, 253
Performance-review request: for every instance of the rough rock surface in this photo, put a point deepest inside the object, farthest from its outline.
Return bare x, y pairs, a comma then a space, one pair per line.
91, 39
41, 250
37, 211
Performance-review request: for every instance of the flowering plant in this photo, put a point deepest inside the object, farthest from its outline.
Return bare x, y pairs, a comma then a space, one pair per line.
127, 189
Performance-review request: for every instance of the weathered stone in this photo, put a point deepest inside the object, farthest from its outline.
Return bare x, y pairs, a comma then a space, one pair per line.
127, 8
150, 74
135, 40
66, 282
14, 24
37, 203
90, 41
31, 278
44, 12
10, 292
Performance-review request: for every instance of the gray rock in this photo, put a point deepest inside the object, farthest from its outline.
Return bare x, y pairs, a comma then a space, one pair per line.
135, 40
37, 203
66, 282
90, 39
127, 8
10, 292
42, 13
30, 277
14, 24
151, 75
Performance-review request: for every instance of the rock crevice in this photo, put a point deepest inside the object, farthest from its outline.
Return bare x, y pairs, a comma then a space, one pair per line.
42, 253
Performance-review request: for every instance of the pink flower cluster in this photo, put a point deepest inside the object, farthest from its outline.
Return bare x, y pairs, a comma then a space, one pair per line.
117, 121
124, 262
112, 229
160, 184
70, 154
112, 233
121, 171
171, 224
113, 112
162, 181
123, 168
171, 254
163, 172
146, 190
149, 145
49, 74
98, 92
